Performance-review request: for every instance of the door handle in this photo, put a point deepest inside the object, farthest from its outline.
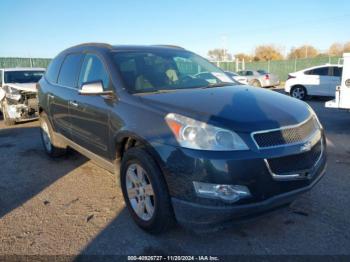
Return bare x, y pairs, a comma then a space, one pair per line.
73, 103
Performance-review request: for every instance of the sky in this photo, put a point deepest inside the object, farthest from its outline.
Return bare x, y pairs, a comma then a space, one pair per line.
43, 28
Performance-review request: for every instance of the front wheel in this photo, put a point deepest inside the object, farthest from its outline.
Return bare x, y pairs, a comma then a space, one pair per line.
145, 191
298, 92
8, 121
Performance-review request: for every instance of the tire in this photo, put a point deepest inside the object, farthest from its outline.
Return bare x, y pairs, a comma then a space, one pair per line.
8, 121
46, 134
256, 83
298, 92
142, 181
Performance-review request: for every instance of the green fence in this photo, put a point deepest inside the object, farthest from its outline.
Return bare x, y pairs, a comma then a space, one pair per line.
6, 62
280, 68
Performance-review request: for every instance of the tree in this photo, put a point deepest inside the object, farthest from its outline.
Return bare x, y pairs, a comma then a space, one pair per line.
336, 49
346, 47
241, 56
267, 52
305, 51
219, 55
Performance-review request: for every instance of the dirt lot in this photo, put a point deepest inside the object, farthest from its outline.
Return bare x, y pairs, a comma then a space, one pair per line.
71, 206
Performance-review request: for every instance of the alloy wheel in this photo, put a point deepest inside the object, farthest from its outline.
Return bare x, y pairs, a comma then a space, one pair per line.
140, 192
298, 93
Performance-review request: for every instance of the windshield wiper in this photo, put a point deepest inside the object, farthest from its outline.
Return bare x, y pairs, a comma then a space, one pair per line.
219, 85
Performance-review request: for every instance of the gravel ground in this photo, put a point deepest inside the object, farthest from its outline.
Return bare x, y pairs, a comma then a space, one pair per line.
70, 206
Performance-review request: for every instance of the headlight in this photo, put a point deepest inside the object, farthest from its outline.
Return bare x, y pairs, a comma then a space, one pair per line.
195, 134
13, 94
315, 116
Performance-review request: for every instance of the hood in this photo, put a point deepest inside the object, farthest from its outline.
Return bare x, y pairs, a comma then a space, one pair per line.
240, 108
28, 87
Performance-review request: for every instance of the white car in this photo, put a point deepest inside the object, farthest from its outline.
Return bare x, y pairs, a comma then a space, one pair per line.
18, 93
241, 79
314, 81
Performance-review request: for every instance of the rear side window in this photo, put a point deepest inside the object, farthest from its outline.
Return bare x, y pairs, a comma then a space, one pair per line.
53, 69
262, 72
69, 71
1, 78
337, 71
322, 71
93, 70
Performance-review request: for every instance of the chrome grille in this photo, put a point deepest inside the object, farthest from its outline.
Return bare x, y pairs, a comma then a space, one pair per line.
286, 135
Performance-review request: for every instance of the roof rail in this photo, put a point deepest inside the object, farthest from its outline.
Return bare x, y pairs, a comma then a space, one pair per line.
94, 44
171, 46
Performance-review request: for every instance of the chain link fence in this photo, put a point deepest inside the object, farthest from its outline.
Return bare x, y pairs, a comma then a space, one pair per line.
7, 62
280, 68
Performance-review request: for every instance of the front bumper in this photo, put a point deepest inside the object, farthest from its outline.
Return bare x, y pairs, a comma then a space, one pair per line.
192, 214
183, 166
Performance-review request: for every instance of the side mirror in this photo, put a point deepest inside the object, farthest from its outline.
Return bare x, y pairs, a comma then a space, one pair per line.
93, 88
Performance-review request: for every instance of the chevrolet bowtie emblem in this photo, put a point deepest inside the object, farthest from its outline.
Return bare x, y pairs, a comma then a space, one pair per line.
305, 147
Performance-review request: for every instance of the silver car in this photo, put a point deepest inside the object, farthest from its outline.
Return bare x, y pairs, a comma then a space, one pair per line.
260, 78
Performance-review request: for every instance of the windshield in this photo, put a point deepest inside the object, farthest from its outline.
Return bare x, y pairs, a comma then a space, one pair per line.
22, 76
164, 70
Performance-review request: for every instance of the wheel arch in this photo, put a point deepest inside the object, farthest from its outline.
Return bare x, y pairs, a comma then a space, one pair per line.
126, 139
298, 85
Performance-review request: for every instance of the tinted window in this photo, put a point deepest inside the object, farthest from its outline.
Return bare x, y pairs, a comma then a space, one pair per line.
249, 73
337, 71
93, 70
70, 70
0, 78
53, 69
322, 71
262, 72
22, 76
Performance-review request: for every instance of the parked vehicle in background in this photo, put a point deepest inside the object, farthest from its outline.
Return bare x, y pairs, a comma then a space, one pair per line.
241, 79
260, 78
314, 81
183, 147
212, 78
18, 93
342, 93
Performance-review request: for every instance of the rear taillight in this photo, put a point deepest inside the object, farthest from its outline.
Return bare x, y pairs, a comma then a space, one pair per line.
290, 77
267, 77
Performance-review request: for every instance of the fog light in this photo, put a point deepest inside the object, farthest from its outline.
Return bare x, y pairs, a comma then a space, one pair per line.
227, 193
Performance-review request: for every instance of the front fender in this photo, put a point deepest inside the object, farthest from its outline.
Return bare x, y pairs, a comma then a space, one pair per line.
2, 94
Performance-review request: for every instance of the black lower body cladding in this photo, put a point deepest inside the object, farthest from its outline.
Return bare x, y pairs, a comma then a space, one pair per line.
181, 167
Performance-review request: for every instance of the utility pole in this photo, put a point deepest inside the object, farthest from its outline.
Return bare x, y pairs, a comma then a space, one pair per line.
306, 47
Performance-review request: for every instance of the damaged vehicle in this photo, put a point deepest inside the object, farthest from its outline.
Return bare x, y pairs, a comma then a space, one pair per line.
18, 94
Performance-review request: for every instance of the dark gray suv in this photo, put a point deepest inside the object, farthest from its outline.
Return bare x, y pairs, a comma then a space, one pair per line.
186, 149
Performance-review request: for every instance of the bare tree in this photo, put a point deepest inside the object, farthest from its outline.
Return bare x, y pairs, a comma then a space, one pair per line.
219, 55
336, 49
346, 47
246, 57
305, 51
267, 52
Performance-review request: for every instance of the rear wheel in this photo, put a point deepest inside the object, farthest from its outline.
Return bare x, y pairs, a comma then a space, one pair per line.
46, 138
8, 121
145, 191
298, 92
256, 83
